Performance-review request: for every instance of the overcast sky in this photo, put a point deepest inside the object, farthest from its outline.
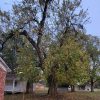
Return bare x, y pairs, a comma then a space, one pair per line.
93, 7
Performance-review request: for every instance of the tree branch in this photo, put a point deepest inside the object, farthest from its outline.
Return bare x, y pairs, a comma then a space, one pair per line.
3, 42
35, 46
42, 22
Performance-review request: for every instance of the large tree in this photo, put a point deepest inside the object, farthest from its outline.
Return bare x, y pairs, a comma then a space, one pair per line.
68, 63
36, 19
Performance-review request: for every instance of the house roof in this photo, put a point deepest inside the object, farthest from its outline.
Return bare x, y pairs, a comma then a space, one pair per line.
4, 66
11, 76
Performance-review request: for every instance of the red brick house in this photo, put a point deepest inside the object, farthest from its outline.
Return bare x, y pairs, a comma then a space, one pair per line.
3, 71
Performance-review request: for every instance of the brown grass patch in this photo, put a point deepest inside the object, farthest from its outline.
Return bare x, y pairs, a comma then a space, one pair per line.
64, 96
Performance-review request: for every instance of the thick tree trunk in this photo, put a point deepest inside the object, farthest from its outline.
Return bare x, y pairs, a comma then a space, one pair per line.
92, 85
52, 85
52, 88
29, 87
72, 88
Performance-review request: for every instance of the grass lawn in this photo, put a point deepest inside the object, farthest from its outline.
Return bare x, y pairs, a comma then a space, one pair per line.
64, 96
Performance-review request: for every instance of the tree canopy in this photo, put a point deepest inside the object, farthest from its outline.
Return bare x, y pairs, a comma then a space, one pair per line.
55, 40
70, 62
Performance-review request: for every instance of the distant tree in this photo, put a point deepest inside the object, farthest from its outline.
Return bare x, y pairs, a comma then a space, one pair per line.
93, 49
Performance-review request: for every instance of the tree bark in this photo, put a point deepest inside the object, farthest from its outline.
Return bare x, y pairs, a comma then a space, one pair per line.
52, 82
72, 88
52, 85
92, 85
29, 87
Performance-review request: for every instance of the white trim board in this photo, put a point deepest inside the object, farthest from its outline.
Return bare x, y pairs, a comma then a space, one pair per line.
4, 66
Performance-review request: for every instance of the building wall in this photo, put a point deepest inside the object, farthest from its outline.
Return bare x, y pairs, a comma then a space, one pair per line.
19, 86
2, 83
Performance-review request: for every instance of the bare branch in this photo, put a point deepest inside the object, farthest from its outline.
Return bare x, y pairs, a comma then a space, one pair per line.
42, 22
24, 33
35, 46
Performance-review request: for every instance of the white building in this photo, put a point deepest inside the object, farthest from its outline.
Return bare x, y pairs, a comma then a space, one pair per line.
14, 84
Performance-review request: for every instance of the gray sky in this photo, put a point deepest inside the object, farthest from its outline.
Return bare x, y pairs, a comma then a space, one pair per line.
93, 7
